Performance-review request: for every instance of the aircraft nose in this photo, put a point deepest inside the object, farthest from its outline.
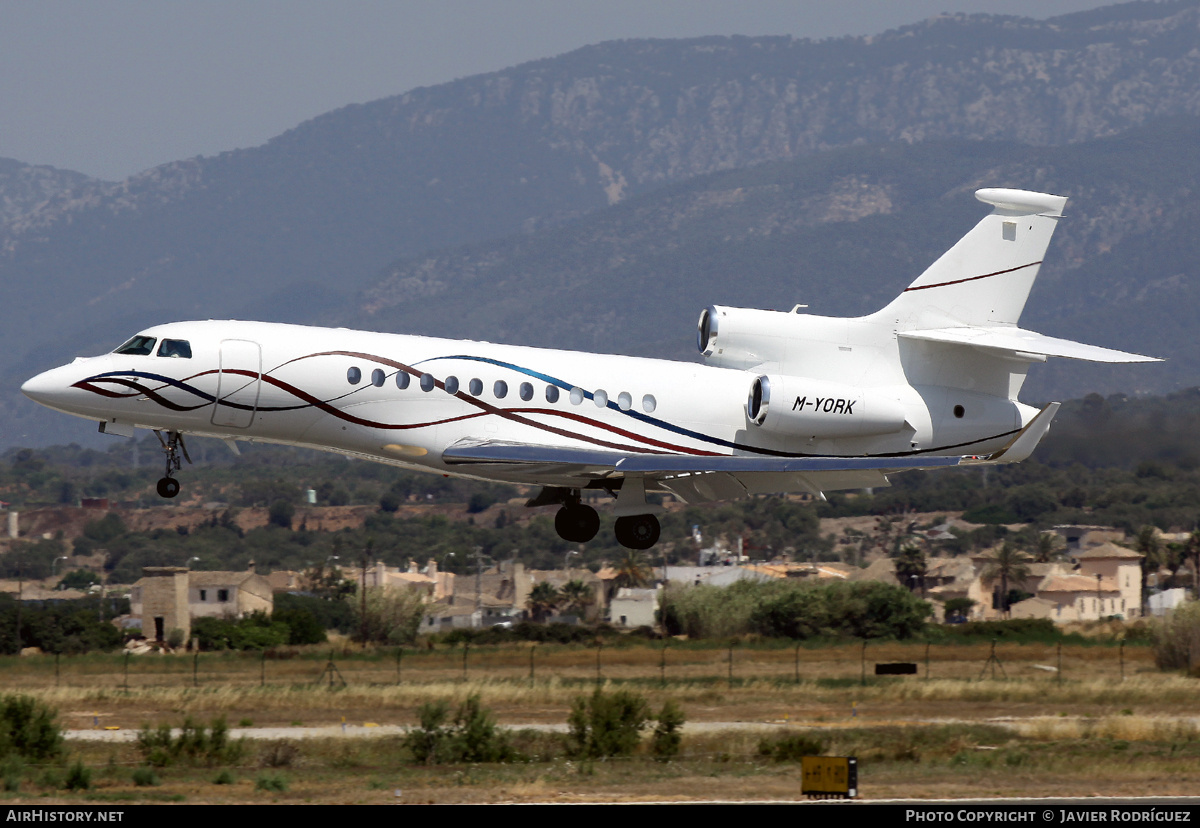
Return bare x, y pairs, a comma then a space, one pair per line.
52, 388
42, 388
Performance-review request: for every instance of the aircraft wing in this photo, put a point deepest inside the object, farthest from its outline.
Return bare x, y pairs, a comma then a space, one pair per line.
1021, 341
693, 478
704, 478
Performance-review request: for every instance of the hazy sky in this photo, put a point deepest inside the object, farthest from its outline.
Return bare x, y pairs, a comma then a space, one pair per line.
113, 87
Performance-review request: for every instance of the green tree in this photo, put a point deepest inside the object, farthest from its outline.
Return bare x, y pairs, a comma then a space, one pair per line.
577, 596
1150, 547
632, 570
911, 566
1007, 564
544, 598
606, 724
393, 616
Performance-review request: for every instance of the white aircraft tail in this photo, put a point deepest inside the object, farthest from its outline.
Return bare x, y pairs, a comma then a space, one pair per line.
985, 279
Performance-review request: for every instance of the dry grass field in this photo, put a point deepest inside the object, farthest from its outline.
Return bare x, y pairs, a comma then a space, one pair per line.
1109, 723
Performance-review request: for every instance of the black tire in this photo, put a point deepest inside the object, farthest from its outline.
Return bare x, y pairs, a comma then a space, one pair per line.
577, 523
168, 487
637, 531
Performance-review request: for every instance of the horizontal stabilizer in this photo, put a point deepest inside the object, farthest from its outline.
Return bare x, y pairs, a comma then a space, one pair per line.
1020, 341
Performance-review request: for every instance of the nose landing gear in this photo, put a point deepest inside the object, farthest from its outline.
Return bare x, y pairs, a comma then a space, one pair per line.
172, 446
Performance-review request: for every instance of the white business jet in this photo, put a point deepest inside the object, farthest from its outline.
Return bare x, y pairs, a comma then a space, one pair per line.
784, 402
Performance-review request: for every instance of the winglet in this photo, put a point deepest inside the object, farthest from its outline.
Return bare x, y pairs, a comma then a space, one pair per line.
1027, 439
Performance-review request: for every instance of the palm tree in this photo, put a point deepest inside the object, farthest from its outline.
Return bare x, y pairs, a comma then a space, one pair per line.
911, 566
632, 570
1151, 549
543, 599
1007, 564
1193, 552
577, 595
1047, 547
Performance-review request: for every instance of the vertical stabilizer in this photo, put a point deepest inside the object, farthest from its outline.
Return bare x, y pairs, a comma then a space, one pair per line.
985, 279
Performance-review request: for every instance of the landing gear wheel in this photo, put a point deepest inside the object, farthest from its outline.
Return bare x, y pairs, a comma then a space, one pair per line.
637, 531
576, 523
172, 446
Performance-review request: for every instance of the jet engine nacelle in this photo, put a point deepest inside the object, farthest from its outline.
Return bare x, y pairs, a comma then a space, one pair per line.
800, 407
744, 337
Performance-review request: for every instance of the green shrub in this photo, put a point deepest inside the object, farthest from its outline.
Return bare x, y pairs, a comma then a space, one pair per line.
145, 778
667, 736
271, 782
224, 778
790, 748
195, 744
473, 737
1177, 638
606, 724
78, 778
782, 609
12, 769
29, 729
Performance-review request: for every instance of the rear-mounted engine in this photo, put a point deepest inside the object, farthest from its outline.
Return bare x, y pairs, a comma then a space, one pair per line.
800, 407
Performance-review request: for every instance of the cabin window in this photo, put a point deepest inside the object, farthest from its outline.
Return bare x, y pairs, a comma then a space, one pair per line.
402, 379
526, 391
476, 387
378, 378
451, 385
178, 348
624, 401
500, 389
551, 393
138, 346
427, 382
649, 403
354, 375
600, 398
576, 396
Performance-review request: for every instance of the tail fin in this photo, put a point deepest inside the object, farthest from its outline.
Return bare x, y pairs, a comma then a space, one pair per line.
985, 279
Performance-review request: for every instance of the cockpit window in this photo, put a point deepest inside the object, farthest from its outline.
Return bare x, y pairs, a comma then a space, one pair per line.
179, 348
138, 346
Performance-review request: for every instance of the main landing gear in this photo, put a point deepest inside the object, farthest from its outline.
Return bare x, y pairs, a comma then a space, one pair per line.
173, 447
637, 531
578, 523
